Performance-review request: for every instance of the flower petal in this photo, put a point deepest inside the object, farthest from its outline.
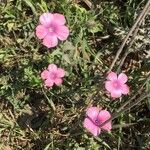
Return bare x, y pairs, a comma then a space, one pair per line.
116, 94
107, 126
59, 19
103, 116
52, 67
60, 72
62, 32
109, 86
41, 31
45, 74
58, 81
92, 112
95, 130
125, 89
49, 83
50, 41
122, 78
46, 19
112, 76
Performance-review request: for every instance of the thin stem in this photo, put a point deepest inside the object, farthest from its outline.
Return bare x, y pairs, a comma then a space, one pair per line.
134, 103
127, 108
132, 41
147, 79
129, 34
49, 100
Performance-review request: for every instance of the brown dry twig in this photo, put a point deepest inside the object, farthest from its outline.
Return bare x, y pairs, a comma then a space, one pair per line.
122, 109
134, 29
140, 17
115, 115
132, 41
138, 92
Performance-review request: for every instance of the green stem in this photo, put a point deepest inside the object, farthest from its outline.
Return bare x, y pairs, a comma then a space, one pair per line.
49, 100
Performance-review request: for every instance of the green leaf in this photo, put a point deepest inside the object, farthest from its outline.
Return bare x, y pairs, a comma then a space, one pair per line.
66, 58
47, 147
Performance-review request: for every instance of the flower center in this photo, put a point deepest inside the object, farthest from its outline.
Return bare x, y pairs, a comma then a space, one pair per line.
53, 75
51, 29
116, 85
97, 122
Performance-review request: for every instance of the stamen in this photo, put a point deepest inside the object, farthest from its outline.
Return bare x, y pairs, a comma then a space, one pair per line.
50, 30
97, 122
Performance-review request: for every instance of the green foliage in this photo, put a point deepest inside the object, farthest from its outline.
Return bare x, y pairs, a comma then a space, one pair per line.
28, 119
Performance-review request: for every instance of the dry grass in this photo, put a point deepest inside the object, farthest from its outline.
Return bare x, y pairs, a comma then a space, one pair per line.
27, 119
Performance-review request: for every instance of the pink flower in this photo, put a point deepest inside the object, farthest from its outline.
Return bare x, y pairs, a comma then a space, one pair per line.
53, 75
116, 85
95, 117
51, 29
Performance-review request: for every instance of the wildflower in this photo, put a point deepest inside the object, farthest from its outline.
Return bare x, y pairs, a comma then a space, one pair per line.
53, 75
116, 85
95, 117
52, 27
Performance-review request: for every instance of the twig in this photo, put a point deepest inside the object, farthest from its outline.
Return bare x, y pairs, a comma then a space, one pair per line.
147, 79
127, 108
129, 34
132, 41
127, 51
123, 125
88, 3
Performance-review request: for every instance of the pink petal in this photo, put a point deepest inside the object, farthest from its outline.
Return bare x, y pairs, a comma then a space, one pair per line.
103, 116
91, 127
107, 126
50, 41
45, 74
122, 78
125, 89
109, 86
116, 94
62, 32
41, 31
93, 112
60, 72
59, 19
49, 83
52, 68
46, 19
58, 81
112, 76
